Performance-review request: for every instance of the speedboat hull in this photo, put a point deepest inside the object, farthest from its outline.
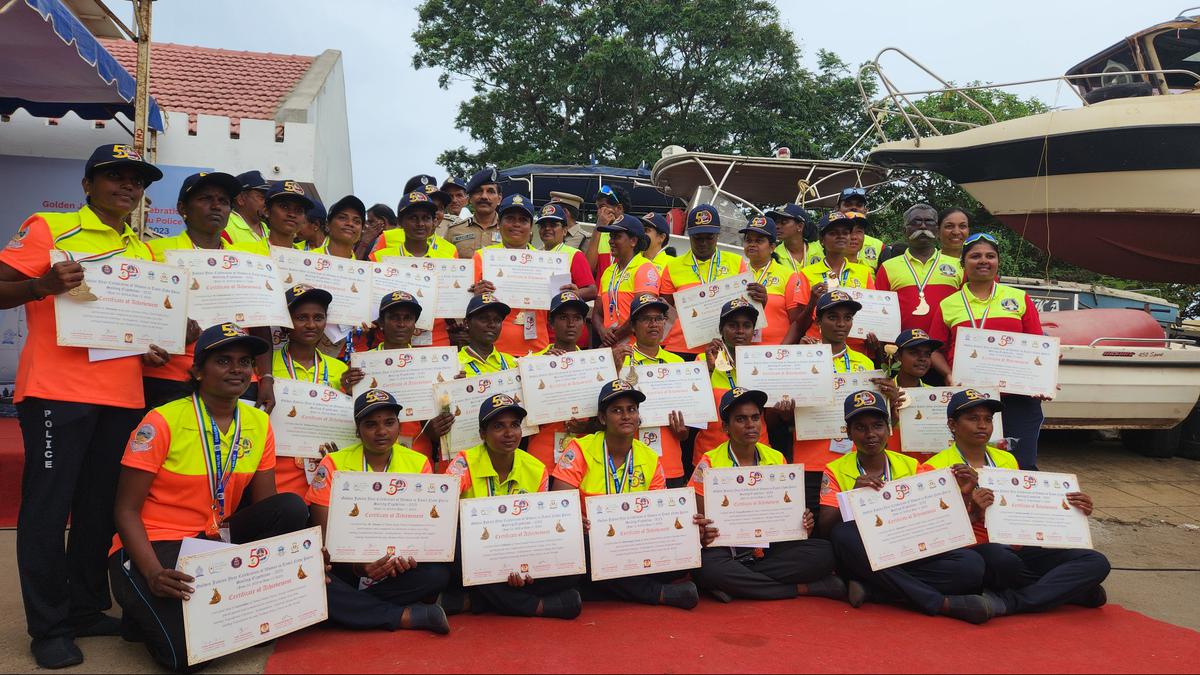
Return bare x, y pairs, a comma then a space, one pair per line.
1109, 187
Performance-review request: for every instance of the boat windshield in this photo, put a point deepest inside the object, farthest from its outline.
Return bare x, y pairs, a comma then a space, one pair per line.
1179, 50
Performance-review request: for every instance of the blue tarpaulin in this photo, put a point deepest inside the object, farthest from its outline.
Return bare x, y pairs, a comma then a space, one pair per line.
53, 65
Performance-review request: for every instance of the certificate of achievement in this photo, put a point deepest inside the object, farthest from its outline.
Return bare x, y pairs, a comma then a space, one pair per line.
539, 534
755, 505
454, 278
880, 314
911, 518
307, 415
348, 280
559, 388
464, 398
409, 375
123, 304
829, 420
249, 594
799, 373
233, 286
685, 387
923, 420
1031, 509
1014, 363
522, 277
699, 307
637, 533
421, 284
397, 514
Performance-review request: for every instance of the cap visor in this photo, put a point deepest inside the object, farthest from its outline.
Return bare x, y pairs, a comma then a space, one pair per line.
757, 230
149, 171
990, 403
316, 295
491, 305
855, 305
372, 407
704, 229
256, 344
936, 344
578, 304
661, 304
502, 409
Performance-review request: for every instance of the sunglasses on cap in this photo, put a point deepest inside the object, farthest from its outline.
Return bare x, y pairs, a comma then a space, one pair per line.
980, 235
854, 192
607, 191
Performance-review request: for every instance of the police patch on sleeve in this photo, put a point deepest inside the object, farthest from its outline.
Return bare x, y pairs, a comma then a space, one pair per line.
320, 478
567, 459
698, 472
825, 487
142, 438
15, 242
458, 467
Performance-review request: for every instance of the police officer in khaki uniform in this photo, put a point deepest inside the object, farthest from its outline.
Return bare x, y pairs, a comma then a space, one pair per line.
483, 227
576, 237
456, 189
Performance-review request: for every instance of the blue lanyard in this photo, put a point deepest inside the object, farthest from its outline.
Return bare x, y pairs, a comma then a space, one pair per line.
611, 470
714, 265
319, 367
218, 474
845, 358
473, 355
733, 458
887, 468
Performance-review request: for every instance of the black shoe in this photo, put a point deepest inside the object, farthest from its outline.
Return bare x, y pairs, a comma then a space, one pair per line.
56, 652
1093, 599
856, 594
721, 595
565, 605
831, 587
996, 601
428, 617
970, 608
682, 595
102, 625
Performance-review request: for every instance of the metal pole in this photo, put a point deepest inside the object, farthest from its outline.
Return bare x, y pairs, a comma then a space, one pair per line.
141, 100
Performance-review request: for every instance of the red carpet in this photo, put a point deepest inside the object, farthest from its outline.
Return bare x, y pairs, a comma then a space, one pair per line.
12, 458
780, 637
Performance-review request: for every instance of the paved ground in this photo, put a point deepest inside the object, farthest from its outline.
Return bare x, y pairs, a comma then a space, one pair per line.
1147, 521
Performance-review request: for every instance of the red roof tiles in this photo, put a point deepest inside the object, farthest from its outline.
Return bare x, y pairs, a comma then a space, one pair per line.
202, 80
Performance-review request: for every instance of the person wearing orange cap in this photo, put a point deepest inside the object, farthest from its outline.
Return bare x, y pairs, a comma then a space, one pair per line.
75, 414
204, 203
648, 316
614, 461
947, 584
786, 569
291, 361
386, 593
186, 471
498, 466
568, 313
703, 264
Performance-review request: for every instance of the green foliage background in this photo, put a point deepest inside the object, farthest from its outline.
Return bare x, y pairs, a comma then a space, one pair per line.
559, 81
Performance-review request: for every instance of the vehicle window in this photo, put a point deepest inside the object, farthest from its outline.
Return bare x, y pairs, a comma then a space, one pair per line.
1179, 50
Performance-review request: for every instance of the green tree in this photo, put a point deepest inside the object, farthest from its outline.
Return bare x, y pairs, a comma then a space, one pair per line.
557, 81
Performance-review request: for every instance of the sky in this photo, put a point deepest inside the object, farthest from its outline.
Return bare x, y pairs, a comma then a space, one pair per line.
400, 120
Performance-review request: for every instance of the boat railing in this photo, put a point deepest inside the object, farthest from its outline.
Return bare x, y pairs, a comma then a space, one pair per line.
897, 103
1166, 342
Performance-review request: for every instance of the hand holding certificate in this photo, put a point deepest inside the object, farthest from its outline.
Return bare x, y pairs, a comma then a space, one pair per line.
522, 277
233, 286
409, 374
123, 304
699, 307
538, 534
755, 505
799, 373
560, 388
923, 421
640, 533
1030, 508
668, 387
829, 420
348, 280
1014, 363
252, 593
395, 514
880, 313
911, 518
465, 396
308, 415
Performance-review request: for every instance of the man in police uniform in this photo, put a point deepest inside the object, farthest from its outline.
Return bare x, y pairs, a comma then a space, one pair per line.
576, 237
247, 220
483, 227
456, 189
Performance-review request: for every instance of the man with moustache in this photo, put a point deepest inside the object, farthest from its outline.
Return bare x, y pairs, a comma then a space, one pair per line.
247, 219
287, 208
483, 227
921, 276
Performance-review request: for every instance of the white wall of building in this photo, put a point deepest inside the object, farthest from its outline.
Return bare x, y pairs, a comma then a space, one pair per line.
332, 173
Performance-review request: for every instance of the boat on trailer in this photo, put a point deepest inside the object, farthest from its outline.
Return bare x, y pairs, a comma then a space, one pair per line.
1108, 185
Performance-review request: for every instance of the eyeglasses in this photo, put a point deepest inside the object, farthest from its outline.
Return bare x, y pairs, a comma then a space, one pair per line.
854, 192
651, 318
